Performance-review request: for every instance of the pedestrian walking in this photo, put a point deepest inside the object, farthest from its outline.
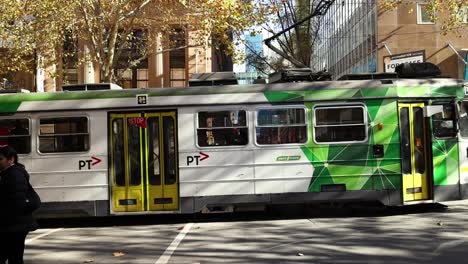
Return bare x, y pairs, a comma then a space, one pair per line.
16, 219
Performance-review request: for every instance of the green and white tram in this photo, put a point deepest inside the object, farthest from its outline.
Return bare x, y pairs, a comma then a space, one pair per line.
463, 143
199, 149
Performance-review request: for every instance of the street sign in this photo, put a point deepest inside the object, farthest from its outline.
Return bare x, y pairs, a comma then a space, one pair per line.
390, 62
137, 121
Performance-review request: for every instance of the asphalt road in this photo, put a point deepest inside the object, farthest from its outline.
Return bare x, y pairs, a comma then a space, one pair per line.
416, 234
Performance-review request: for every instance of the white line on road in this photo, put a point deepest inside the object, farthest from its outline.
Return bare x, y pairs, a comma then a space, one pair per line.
164, 258
43, 235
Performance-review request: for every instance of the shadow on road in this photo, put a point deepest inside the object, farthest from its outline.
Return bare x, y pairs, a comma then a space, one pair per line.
282, 212
324, 233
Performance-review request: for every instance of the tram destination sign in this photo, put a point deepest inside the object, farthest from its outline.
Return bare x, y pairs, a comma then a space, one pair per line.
390, 62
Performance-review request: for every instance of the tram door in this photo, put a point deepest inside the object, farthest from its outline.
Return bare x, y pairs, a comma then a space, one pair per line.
413, 152
463, 142
143, 167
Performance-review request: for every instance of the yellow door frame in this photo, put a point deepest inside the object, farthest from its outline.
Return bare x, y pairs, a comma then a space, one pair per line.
171, 190
120, 194
415, 185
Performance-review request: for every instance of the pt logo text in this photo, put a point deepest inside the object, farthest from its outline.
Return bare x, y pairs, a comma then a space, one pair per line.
86, 164
197, 158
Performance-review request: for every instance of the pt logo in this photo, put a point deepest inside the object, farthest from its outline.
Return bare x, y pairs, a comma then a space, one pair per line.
196, 158
86, 164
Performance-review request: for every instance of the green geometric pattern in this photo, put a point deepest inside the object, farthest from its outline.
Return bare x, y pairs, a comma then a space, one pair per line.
445, 161
354, 164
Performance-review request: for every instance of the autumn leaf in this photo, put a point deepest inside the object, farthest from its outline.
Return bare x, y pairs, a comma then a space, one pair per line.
118, 254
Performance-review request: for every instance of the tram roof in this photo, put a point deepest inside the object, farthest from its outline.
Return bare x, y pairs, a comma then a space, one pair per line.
279, 92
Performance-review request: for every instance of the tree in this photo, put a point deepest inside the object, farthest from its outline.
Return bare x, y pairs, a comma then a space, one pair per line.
449, 13
110, 28
295, 44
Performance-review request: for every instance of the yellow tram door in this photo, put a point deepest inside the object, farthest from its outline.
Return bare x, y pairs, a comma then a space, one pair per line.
143, 167
414, 151
126, 161
162, 168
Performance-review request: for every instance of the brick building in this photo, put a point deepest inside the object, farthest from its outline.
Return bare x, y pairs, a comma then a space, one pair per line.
356, 36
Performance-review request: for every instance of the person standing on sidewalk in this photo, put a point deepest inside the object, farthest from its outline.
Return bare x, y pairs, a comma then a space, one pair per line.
16, 221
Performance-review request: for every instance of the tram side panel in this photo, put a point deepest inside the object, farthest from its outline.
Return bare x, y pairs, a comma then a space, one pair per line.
367, 168
356, 157
210, 176
71, 183
360, 161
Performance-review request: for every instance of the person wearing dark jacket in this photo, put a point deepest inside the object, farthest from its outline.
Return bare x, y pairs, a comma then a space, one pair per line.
15, 220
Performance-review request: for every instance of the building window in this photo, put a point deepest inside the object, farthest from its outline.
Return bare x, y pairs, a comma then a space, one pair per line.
70, 59
142, 78
178, 77
125, 78
281, 126
177, 58
63, 134
338, 124
70, 76
464, 15
222, 128
424, 15
444, 123
134, 52
16, 133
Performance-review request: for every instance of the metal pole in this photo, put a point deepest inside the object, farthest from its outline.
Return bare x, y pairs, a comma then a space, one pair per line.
456, 52
386, 47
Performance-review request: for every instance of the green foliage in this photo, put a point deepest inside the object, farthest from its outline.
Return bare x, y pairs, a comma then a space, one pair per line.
450, 14
107, 27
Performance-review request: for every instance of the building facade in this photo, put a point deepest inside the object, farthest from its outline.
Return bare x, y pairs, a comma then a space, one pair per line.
163, 67
357, 35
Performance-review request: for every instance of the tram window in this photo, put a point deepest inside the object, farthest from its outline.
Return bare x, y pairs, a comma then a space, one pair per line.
335, 124
281, 126
170, 176
444, 123
63, 134
222, 128
463, 121
118, 152
16, 133
134, 153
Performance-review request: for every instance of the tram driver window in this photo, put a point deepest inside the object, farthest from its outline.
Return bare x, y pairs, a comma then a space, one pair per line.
444, 123
64, 134
16, 133
463, 121
334, 124
281, 126
222, 128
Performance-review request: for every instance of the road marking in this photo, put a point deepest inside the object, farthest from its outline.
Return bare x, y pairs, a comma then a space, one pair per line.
164, 258
448, 245
42, 235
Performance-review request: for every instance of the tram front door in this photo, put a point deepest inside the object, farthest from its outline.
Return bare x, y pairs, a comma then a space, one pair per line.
143, 162
413, 152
